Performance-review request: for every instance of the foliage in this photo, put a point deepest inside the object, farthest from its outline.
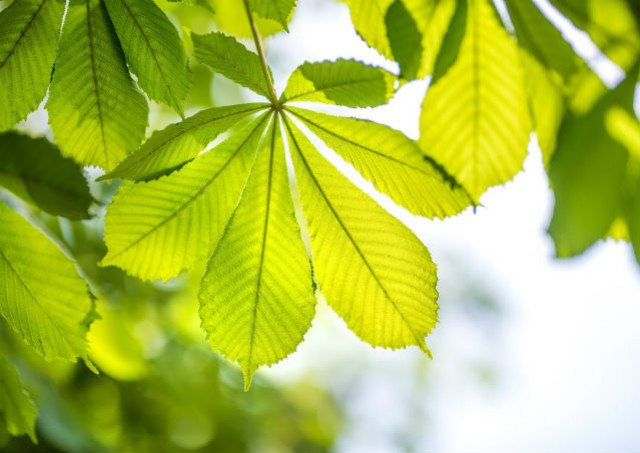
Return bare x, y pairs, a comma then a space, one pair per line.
244, 188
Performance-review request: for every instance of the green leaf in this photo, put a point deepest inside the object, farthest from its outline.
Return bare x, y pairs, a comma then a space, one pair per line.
368, 19
160, 228
546, 102
372, 269
96, 114
231, 59
153, 50
392, 162
405, 39
29, 32
587, 173
541, 39
342, 82
257, 297
177, 143
278, 10
475, 119
41, 295
16, 407
34, 170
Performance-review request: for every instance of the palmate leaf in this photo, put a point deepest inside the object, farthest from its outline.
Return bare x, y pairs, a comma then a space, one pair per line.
34, 170
231, 59
153, 50
16, 407
343, 82
372, 269
278, 10
29, 32
96, 114
158, 229
257, 297
391, 161
587, 173
41, 296
177, 143
475, 120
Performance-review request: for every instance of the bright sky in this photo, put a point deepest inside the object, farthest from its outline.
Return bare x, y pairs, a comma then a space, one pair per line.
560, 362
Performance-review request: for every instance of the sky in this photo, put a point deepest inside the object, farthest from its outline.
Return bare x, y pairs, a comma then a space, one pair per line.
553, 365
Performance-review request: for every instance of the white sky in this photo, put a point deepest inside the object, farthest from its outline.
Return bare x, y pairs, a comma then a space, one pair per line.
564, 350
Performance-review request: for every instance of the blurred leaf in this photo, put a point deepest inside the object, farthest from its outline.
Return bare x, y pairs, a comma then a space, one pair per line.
368, 19
160, 228
34, 170
96, 113
29, 32
392, 162
231, 19
342, 82
587, 173
17, 410
228, 57
475, 120
153, 50
388, 296
41, 295
257, 297
404, 38
177, 143
278, 10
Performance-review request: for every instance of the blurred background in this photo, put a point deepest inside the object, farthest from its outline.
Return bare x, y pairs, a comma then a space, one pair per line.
531, 353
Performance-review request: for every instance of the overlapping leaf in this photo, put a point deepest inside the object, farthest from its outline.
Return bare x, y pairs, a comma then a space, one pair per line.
372, 270
391, 161
278, 10
160, 228
29, 32
343, 82
26, 169
97, 115
474, 118
231, 59
257, 297
16, 407
177, 143
41, 296
153, 50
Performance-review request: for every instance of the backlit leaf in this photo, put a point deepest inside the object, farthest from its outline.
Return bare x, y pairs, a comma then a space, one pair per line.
16, 407
278, 10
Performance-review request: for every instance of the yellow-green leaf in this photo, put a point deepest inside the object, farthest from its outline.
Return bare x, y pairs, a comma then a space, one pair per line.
96, 113
392, 162
475, 119
371, 268
41, 295
16, 407
257, 297
29, 32
159, 228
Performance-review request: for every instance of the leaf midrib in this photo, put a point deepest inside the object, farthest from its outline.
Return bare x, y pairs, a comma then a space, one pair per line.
24, 32
329, 87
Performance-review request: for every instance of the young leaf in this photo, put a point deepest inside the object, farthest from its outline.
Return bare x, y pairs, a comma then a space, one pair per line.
542, 39
29, 31
34, 170
160, 228
392, 162
153, 50
372, 269
342, 82
587, 172
231, 59
96, 114
177, 143
41, 295
16, 407
474, 118
257, 297
278, 10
